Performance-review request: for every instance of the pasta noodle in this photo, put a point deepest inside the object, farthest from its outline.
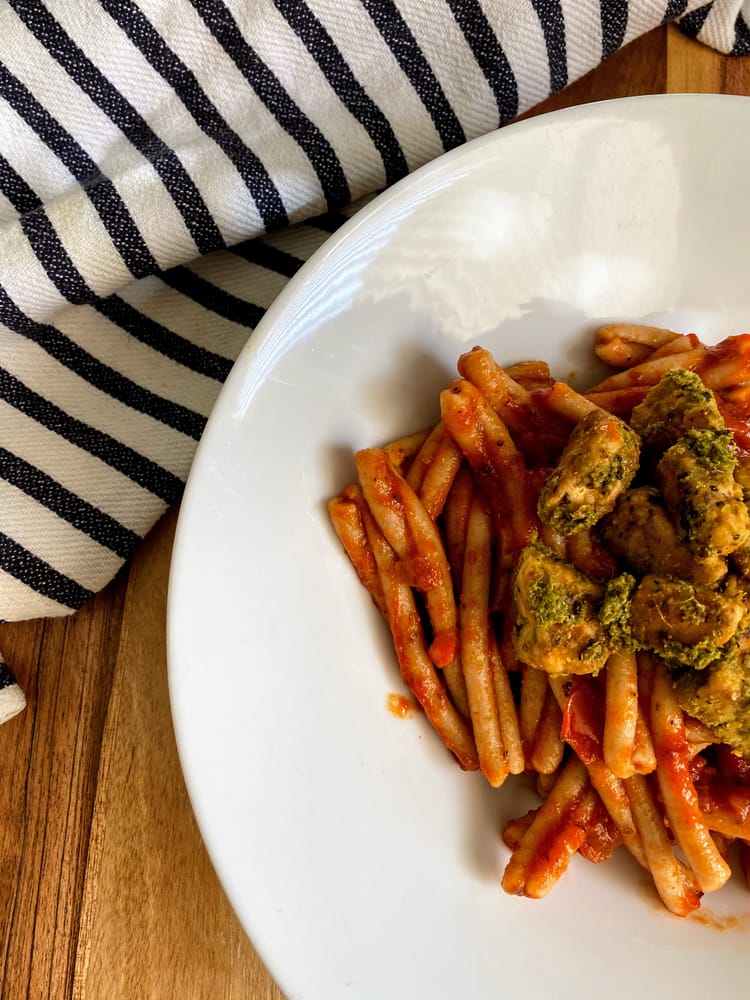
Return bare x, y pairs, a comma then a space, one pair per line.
509, 555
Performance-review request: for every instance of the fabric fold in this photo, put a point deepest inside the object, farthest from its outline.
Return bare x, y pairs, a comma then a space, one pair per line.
165, 168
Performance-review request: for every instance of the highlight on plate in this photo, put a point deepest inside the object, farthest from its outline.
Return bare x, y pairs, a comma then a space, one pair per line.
566, 578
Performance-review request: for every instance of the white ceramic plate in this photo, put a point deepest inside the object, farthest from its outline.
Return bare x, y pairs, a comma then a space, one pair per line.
361, 861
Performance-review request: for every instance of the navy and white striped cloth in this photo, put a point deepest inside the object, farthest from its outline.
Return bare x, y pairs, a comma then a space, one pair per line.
165, 167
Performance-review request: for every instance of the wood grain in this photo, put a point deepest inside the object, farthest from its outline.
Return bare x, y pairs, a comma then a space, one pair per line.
106, 891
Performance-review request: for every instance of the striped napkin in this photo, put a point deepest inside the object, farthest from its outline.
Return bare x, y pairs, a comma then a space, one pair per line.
165, 167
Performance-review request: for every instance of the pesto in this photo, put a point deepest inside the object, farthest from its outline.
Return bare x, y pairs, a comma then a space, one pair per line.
614, 613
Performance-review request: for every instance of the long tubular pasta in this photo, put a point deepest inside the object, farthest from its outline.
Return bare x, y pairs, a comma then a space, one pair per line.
505, 395
570, 837
563, 400
346, 519
534, 686
644, 758
516, 827
531, 375
475, 652
417, 670
727, 364
651, 370
589, 556
677, 789
439, 476
678, 345
584, 735
674, 883
547, 751
506, 709
620, 402
552, 838
455, 516
620, 713
498, 465
417, 542
623, 345
401, 451
424, 458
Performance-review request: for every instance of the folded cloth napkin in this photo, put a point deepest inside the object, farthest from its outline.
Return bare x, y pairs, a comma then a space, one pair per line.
145, 149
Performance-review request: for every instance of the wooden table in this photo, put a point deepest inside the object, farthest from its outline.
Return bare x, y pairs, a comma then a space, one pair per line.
106, 891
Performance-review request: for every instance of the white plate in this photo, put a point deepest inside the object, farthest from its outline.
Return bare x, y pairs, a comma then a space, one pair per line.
361, 861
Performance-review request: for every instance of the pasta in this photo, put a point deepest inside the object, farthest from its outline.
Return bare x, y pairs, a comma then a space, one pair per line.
566, 577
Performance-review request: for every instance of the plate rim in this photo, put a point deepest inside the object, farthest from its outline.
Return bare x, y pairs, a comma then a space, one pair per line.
263, 335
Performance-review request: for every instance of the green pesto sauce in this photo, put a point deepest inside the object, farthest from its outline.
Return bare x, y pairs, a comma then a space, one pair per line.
550, 602
614, 613
712, 448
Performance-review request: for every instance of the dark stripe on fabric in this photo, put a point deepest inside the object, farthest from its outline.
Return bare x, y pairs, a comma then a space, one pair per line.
489, 55
397, 35
742, 44
692, 23
41, 234
674, 9
552, 20
614, 20
148, 331
97, 374
6, 677
223, 303
138, 468
328, 222
53, 257
177, 181
16, 190
37, 574
110, 207
257, 252
348, 89
266, 85
82, 515
258, 181
67, 279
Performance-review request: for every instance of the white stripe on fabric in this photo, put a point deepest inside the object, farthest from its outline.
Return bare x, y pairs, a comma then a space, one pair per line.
137, 361
719, 28
109, 48
583, 35
38, 165
78, 471
238, 277
456, 70
376, 69
8, 212
49, 378
20, 602
522, 40
288, 59
301, 241
153, 211
58, 543
12, 701
24, 278
193, 322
